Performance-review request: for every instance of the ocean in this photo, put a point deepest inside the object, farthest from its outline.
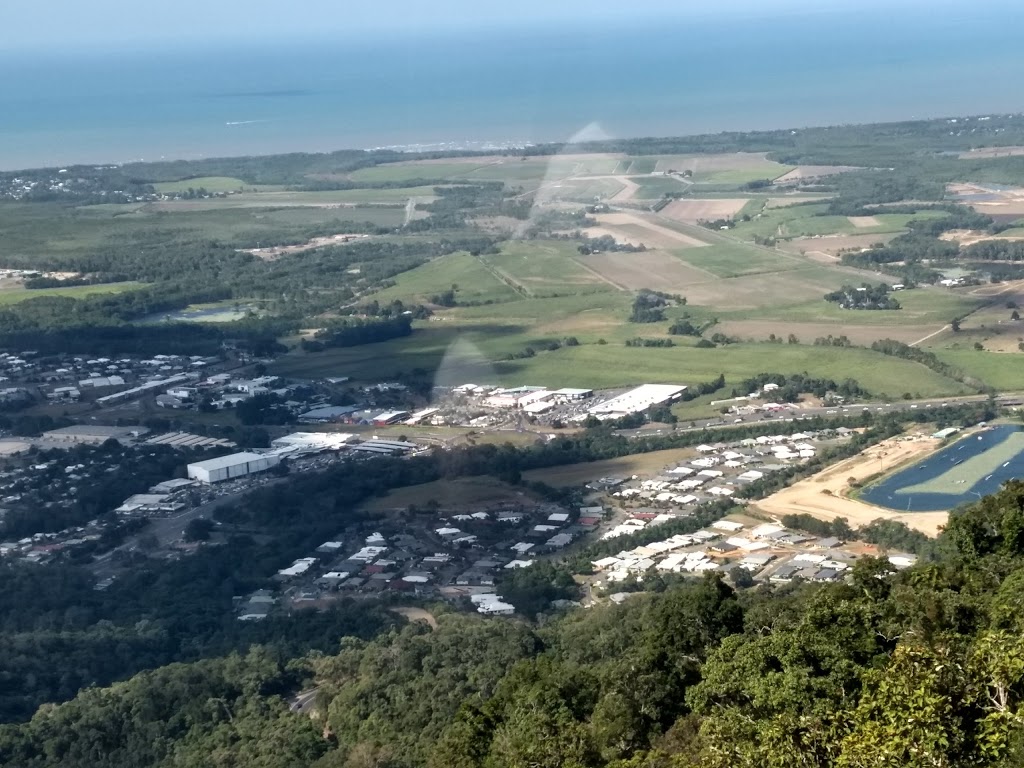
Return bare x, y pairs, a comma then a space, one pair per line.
500, 87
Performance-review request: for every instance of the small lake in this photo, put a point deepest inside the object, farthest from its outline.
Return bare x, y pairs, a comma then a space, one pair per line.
962, 472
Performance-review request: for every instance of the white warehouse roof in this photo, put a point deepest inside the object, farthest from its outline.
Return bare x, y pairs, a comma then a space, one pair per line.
231, 460
639, 399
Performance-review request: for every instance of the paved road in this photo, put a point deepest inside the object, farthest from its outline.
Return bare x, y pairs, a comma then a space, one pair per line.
303, 702
795, 414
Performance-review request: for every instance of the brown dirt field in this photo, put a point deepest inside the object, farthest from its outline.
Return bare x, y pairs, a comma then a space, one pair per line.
863, 222
657, 270
653, 235
706, 210
833, 244
758, 330
814, 172
984, 152
807, 496
1007, 208
1002, 202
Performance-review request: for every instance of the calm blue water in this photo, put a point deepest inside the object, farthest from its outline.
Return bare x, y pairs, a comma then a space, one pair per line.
514, 85
889, 493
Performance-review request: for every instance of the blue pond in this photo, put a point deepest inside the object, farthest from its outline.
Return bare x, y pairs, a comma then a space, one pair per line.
897, 493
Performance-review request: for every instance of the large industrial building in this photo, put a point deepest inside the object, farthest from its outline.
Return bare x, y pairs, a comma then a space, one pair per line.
636, 400
231, 466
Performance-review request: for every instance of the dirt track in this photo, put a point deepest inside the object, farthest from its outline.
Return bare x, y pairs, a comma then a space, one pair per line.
821, 495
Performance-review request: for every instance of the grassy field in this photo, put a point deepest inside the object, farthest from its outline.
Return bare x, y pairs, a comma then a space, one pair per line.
810, 220
457, 493
655, 187
737, 176
49, 231
545, 268
735, 259
213, 184
1002, 370
638, 464
918, 307
583, 190
289, 198
412, 171
470, 351
475, 282
10, 296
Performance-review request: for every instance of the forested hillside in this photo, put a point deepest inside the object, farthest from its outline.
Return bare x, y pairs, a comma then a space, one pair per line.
923, 667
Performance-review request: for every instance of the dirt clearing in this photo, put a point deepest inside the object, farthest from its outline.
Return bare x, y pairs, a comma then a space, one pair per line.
989, 199
863, 222
635, 229
269, 254
821, 494
657, 270
971, 236
692, 211
416, 614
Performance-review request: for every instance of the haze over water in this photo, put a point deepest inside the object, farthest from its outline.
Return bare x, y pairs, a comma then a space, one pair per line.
507, 86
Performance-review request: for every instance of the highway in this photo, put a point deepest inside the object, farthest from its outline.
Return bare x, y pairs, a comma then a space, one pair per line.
795, 413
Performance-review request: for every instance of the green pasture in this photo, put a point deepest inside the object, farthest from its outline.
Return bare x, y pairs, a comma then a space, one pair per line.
919, 306
412, 171
215, 184
971, 471
475, 282
735, 259
1001, 370
474, 350
10, 296
738, 176
287, 197
656, 187
642, 165
583, 190
49, 235
545, 267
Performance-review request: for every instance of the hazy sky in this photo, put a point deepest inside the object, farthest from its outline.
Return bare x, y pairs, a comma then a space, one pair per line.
62, 24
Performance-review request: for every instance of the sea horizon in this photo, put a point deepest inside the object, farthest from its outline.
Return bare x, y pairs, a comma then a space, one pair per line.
502, 89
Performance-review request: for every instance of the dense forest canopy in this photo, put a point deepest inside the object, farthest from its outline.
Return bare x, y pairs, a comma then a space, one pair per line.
921, 667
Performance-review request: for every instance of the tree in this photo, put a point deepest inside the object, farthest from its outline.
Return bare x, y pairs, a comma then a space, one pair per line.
1015, 315
198, 529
